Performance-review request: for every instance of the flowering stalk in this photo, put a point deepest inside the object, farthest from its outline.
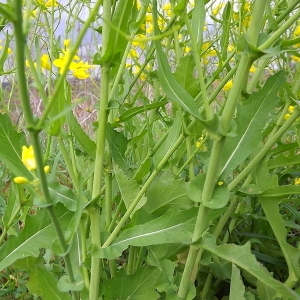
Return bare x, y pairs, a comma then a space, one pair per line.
33, 133
212, 173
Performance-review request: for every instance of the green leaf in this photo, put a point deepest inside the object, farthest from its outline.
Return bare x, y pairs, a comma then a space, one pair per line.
13, 206
128, 188
59, 106
117, 144
237, 288
140, 285
174, 226
82, 138
198, 20
44, 284
184, 75
226, 17
179, 95
282, 161
64, 285
130, 113
165, 192
220, 195
251, 118
11, 143
116, 42
281, 191
270, 206
62, 194
243, 258
38, 233
168, 142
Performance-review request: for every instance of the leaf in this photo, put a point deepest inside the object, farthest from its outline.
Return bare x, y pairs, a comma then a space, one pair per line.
251, 118
64, 284
243, 258
270, 206
226, 16
11, 143
38, 233
117, 144
82, 138
13, 206
179, 95
129, 189
128, 114
59, 106
116, 42
184, 75
220, 195
62, 194
237, 288
165, 192
281, 191
168, 142
282, 161
44, 284
174, 226
198, 20
140, 285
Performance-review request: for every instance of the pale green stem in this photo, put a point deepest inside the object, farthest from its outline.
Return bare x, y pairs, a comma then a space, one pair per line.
33, 133
198, 67
281, 30
100, 155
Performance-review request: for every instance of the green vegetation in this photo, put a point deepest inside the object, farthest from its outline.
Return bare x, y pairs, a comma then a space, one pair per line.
159, 160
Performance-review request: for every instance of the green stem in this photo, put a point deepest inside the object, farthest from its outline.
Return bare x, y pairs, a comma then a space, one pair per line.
20, 46
198, 67
281, 30
100, 155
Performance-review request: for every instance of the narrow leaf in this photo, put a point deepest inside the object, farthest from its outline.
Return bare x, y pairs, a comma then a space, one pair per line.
117, 144
251, 118
237, 288
243, 258
11, 143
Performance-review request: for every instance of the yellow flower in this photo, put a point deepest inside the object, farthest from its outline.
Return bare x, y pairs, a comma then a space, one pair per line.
9, 51
140, 42
187, 49
27, 64
45, 62
149, 29
228, 85
252, 69
51, 3
297, 31
291, 108
219, 183
297, 181
230, 48
149, 18
167, 9
217, 9
28, 158
286, 116
67, 43
21, 180
47, 169
133, 53
295, 58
